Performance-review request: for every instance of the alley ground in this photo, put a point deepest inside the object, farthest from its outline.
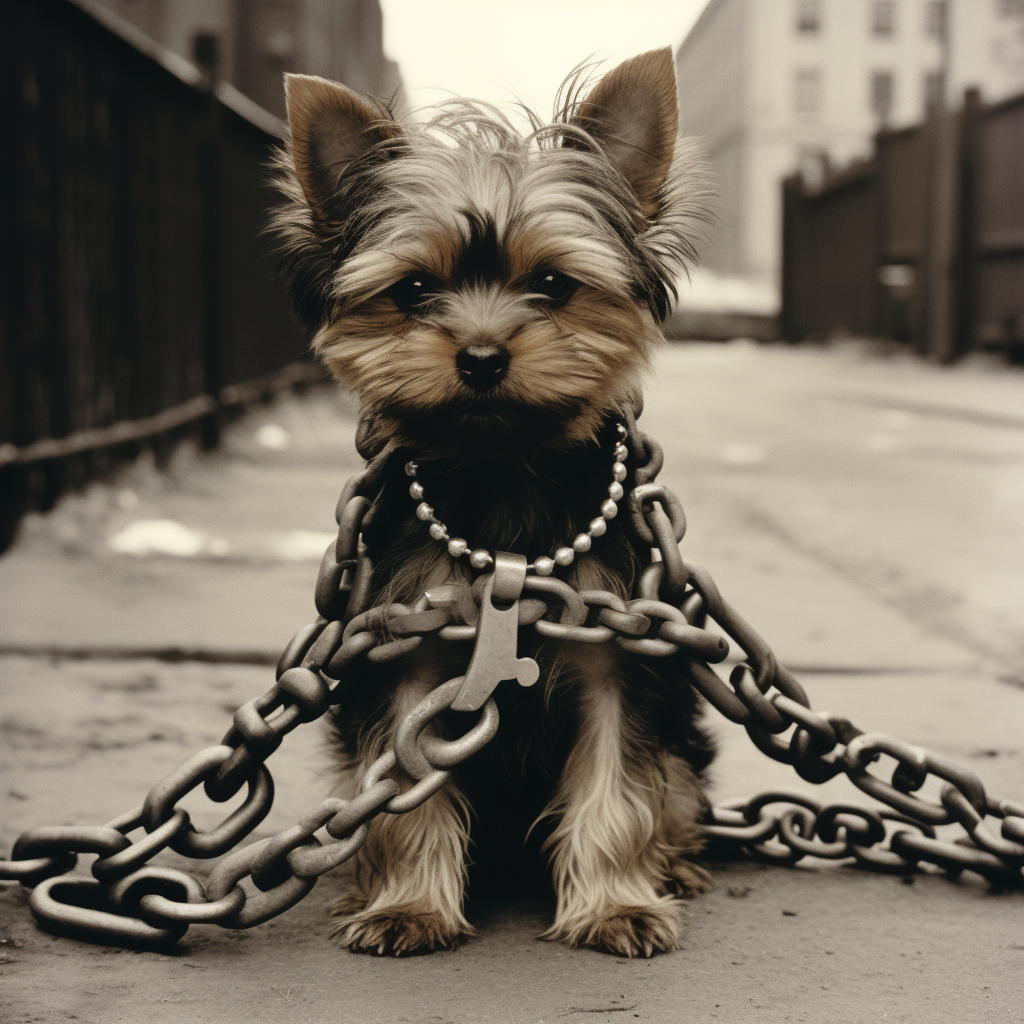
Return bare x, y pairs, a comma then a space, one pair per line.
865, 511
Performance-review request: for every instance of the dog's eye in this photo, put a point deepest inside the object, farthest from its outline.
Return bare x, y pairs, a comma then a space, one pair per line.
551, 285
414, 292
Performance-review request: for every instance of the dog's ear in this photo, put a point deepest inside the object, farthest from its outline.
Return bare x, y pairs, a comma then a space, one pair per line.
330, 127
633, 115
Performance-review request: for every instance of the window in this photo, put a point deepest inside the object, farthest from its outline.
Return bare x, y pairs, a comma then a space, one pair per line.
807, 91
936, 15
882, 95
883, 17
934, 90
808, 16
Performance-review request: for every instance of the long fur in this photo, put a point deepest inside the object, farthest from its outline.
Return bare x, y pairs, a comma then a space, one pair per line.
598, 766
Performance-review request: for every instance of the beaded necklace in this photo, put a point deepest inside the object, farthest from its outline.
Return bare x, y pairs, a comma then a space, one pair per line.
542, 565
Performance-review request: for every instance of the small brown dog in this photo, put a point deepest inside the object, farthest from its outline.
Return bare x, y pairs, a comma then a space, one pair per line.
493, 300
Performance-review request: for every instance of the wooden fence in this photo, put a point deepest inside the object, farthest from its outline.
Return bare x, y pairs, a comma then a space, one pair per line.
138, 296
923, 243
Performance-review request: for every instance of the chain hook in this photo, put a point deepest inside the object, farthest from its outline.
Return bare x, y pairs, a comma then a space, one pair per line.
494, 656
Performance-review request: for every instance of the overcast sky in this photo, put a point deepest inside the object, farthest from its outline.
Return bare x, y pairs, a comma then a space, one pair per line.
503, 50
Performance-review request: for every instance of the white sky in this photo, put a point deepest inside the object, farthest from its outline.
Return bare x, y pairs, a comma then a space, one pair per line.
504, 50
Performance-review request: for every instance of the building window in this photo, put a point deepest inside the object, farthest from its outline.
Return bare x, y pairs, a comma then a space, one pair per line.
807, 91
936, 15
883, 17
934, 90
882, 95
808, 16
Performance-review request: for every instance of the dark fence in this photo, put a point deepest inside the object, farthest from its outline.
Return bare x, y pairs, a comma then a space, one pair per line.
139, 291
923, 243
995, 261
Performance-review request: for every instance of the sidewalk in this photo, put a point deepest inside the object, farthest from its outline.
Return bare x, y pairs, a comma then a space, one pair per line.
865, 514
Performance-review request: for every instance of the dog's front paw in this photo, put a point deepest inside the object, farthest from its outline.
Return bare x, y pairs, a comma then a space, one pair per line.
626, 931
397, 931
634, 931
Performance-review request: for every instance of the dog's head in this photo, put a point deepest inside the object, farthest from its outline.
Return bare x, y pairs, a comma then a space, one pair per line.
473, 285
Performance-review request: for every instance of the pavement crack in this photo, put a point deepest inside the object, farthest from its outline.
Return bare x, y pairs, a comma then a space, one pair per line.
597, 1009
930, 606
174, 655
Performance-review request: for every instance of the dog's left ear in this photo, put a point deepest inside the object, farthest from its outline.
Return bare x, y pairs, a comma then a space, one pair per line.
633, 115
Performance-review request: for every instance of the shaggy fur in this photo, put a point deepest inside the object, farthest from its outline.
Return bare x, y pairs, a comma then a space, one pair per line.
406, 246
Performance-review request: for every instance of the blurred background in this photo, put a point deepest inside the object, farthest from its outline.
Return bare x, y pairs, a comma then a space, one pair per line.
841, 406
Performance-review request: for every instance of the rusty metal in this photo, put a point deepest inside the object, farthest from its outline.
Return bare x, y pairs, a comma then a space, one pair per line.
131, 902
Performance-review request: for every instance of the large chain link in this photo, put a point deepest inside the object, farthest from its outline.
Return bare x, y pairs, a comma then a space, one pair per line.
130, 901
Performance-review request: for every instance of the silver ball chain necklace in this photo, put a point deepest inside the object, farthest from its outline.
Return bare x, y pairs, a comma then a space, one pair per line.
542, 565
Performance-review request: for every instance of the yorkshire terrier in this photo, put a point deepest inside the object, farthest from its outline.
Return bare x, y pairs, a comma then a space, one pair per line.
493, 300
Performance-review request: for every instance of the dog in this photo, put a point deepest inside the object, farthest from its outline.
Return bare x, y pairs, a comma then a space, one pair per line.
493, 300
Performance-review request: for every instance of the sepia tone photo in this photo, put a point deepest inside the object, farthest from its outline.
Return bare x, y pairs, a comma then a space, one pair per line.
512, 512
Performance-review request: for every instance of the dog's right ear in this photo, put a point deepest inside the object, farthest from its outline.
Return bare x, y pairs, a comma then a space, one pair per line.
632, 114
330, 127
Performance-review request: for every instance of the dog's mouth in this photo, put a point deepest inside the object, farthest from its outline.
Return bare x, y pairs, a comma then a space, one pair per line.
475, 425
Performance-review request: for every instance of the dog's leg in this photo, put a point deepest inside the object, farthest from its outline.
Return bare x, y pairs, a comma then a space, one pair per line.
412, 869
627, 814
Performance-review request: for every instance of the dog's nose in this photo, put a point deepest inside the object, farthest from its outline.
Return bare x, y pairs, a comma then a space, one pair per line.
482, 366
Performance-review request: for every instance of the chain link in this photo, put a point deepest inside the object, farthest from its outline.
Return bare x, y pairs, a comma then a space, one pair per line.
132, 902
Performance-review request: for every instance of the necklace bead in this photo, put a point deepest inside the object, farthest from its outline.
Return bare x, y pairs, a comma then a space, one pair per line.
544, 565
481, 559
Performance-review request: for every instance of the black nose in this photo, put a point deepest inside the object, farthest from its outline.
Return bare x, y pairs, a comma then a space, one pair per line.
482, 366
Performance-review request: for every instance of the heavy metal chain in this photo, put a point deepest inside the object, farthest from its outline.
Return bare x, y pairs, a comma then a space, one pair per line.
128, 900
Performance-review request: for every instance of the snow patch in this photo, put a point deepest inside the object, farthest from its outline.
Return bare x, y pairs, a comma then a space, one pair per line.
274, 437
303, 545
720, 293
165, 537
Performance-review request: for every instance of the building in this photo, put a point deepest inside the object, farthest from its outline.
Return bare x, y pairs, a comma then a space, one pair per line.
257, 41
772, 86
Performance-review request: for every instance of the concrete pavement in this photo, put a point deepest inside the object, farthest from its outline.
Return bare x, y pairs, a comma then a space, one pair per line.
862, 511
